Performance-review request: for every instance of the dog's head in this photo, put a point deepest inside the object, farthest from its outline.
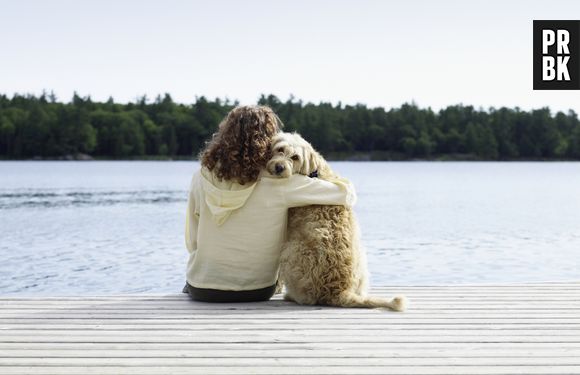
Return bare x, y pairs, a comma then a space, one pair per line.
292, 154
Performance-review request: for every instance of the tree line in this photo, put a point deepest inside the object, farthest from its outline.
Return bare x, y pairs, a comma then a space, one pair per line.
41, 126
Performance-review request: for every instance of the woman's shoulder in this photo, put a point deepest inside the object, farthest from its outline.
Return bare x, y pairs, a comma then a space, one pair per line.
195, 179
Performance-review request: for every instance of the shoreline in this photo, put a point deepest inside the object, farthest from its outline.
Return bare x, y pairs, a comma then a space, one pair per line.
331, 158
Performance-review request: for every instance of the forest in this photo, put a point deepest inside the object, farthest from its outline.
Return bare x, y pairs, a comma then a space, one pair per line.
42, 127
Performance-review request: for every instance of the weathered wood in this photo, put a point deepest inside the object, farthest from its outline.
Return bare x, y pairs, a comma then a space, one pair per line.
295, 369
140, 360
370, 347
571, 316
200, 333
240, 352
344, 325
311, 319
485, 329
296, 338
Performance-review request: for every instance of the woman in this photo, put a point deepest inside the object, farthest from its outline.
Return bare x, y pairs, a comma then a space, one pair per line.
236, 214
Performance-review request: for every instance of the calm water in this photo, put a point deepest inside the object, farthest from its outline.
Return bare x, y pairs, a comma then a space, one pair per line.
117, 227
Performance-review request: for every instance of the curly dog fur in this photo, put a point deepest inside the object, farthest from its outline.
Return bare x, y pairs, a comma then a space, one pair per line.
321, 261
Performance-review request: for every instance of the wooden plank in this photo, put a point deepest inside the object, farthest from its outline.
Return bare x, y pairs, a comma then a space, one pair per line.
362, 313
310, 319
568, 315
198, 333
299, 337
435, 352
413, 309
418, 307
293, 336
231, 323
553, 369
274, 325
275, 345
290, 362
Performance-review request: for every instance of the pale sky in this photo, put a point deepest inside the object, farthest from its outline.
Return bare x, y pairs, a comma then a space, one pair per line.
381, 53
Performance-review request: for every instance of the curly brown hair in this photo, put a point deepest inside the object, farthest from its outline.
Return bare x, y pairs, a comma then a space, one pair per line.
240, 148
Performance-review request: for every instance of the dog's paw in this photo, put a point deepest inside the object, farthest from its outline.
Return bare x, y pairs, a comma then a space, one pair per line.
279, 287
400, 303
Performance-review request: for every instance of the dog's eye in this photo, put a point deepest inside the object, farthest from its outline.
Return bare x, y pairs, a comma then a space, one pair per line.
295, 157
281, 149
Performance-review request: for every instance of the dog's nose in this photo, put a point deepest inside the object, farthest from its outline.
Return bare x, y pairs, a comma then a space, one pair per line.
279, 168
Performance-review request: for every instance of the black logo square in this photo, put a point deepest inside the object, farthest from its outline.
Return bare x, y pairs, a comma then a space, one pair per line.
556, 55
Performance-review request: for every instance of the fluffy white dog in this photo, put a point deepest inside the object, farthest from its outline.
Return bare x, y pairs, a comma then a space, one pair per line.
321, 262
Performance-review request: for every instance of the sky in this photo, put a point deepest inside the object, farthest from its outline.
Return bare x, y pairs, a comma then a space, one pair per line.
379, 53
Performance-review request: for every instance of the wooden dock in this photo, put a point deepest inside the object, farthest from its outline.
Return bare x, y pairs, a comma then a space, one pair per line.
494, 329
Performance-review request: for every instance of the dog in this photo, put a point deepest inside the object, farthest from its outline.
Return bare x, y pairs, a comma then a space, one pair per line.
321, 262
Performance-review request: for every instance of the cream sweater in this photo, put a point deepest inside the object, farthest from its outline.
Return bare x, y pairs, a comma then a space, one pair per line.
234, 232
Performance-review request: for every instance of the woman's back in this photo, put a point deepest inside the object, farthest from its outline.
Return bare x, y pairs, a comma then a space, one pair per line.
236, 231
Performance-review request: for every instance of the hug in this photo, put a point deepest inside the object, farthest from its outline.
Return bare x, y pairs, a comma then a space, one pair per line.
266, 209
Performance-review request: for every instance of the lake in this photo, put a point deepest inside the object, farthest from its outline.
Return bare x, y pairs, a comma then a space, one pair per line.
117, 227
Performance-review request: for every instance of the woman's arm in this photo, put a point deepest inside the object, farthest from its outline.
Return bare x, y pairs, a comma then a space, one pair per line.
304, 191
192, 217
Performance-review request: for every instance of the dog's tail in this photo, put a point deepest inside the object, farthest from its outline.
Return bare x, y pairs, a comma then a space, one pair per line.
350, 299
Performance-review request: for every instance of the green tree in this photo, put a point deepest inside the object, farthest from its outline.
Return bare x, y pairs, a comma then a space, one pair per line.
42, 126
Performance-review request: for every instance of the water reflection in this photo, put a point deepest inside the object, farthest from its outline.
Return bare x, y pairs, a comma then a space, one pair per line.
53, 199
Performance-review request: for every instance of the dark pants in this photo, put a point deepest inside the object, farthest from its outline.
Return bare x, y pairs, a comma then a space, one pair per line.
216, 295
